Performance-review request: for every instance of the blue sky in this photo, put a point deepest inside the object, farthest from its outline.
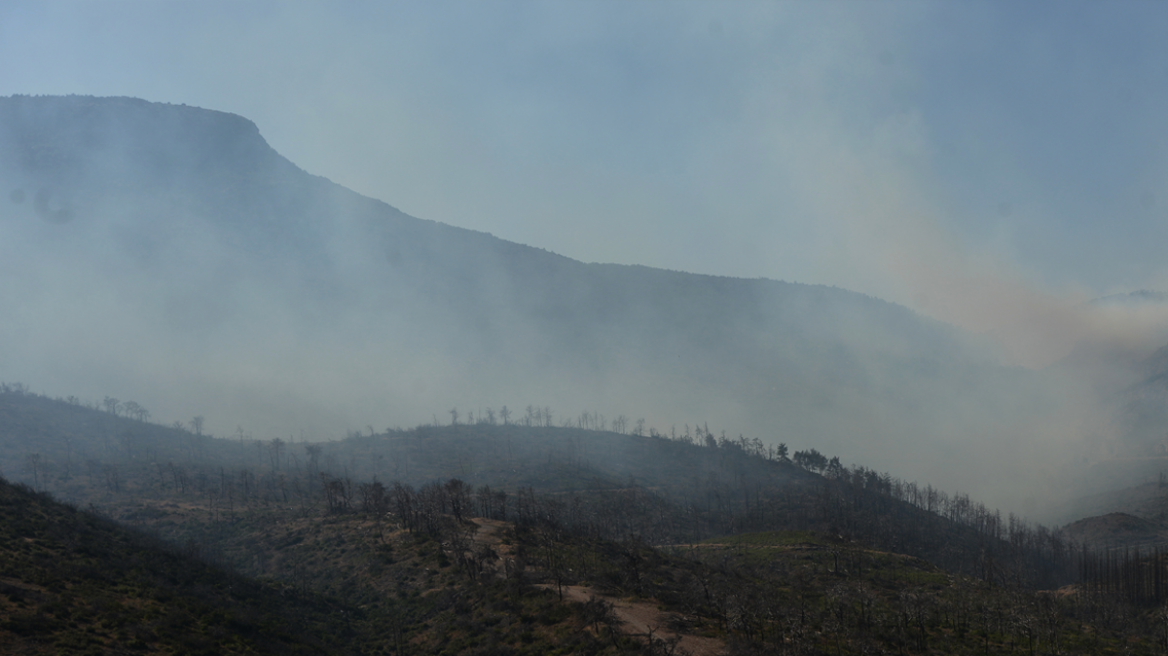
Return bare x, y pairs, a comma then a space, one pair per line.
976, 161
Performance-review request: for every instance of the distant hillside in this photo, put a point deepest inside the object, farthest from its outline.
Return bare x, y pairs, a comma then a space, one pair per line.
1138, 297
1129, 461
149, 247
601, 483
52, 444
1115, 530
1143, 418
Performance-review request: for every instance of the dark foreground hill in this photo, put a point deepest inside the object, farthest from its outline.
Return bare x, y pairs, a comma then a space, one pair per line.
148, 245
71, 582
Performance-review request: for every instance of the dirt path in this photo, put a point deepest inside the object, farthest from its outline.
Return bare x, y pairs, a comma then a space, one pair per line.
489, 531
639, 618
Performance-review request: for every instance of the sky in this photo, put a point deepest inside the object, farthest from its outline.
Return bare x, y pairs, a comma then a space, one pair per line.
989, 164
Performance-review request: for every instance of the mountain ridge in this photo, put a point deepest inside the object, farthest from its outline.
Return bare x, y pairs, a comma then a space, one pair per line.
150, 245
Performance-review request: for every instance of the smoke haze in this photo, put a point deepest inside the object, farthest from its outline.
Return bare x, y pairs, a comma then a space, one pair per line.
987, 168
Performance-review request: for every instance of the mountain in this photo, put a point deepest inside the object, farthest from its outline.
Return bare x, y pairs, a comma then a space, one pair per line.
168, 254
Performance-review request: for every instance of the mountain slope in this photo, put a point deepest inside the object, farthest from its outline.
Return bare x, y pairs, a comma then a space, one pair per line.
148, 244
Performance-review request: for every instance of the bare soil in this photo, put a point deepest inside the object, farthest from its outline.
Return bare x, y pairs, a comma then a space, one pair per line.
643, 618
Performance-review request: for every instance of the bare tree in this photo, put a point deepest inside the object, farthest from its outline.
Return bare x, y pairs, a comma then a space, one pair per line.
111, 405
313, 451
275, 448
136, 411
35, 464
68, 439
598, 613
620, 424
113, 480
197, 424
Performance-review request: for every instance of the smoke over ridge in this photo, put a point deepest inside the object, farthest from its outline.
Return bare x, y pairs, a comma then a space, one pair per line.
167, 254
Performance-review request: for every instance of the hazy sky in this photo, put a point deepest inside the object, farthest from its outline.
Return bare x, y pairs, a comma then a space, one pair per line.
958, 157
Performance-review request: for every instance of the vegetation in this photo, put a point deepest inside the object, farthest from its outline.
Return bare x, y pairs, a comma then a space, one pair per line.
692, 543
74, 582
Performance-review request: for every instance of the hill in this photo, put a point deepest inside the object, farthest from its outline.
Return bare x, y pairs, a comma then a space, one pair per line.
1115, 530
553, 549
72, 582
666, 490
